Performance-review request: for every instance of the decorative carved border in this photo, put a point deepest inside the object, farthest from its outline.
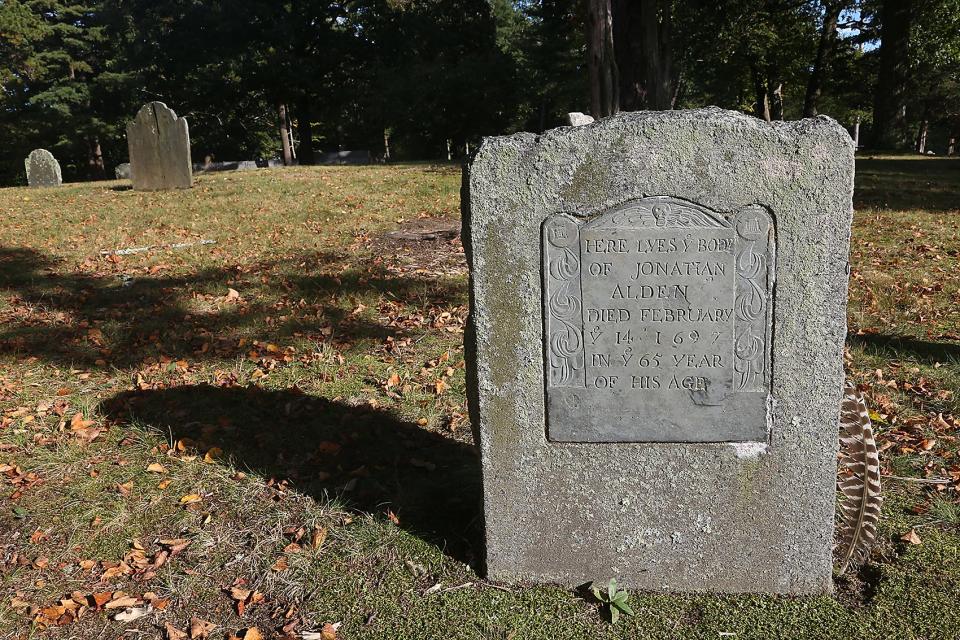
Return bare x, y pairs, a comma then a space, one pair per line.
660, 211
563, 318
754, 259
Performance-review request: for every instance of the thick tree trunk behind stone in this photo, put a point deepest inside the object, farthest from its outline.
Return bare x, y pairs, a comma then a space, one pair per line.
825, 49
889, 113
285, 135
642, 33
601, 60
305, 129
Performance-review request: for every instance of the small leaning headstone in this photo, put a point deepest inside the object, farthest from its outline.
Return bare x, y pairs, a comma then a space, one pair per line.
159, 146
43, 170
656, 349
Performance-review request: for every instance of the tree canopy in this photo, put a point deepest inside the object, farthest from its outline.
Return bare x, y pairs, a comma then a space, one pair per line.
419, 76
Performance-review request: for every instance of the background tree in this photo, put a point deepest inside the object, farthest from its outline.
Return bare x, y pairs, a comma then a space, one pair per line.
56, 51
933, 84
826, 47
351, 74
644, 43
890, 129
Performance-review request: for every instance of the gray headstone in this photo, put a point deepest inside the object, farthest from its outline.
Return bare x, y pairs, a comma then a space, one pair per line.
159, 146
576, 118
655, 349
43, 170
122, 171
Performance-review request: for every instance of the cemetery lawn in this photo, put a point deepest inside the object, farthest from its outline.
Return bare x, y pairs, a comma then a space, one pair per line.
270, 430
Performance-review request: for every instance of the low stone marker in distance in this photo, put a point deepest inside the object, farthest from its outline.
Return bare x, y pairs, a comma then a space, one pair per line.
343, 157
43, 170
577, 118
655, 349
159, 146
122, 171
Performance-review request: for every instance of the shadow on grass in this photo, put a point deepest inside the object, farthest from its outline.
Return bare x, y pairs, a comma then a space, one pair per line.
368, 457
118, 319
891, 347
908, 184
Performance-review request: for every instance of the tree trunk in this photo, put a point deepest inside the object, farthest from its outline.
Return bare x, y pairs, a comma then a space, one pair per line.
761, 105
921, 145
890, 98
629, 44
776, 102
386, 145
856, 133
285, 135
602, 64
95, 159
825, 48
658, 53
305, 129
642, 32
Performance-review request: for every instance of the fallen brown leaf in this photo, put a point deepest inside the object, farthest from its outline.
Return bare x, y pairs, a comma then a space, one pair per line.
911, 537
121, 602
200, 628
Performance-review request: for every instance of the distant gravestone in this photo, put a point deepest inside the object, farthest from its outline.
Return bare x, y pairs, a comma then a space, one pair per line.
576, 118
122, 171
159, 146
43, 170
655, 348
343, 157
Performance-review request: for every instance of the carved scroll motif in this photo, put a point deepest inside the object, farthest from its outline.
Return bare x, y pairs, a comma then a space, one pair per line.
564, 316
753, 300
663, 212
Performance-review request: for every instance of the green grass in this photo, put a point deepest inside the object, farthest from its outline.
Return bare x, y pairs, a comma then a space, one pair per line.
304, 377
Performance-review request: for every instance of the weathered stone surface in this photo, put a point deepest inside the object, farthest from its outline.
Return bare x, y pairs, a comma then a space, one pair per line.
577, 118
159, 146
122, 171
43, 170
728, 484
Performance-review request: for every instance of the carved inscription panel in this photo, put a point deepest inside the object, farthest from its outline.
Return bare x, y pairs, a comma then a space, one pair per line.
657, 324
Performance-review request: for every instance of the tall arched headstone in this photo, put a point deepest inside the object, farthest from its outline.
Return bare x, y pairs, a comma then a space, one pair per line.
159, 146
43, 170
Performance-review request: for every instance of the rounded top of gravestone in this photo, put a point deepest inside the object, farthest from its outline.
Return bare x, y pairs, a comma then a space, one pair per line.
156, 107
43, 170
